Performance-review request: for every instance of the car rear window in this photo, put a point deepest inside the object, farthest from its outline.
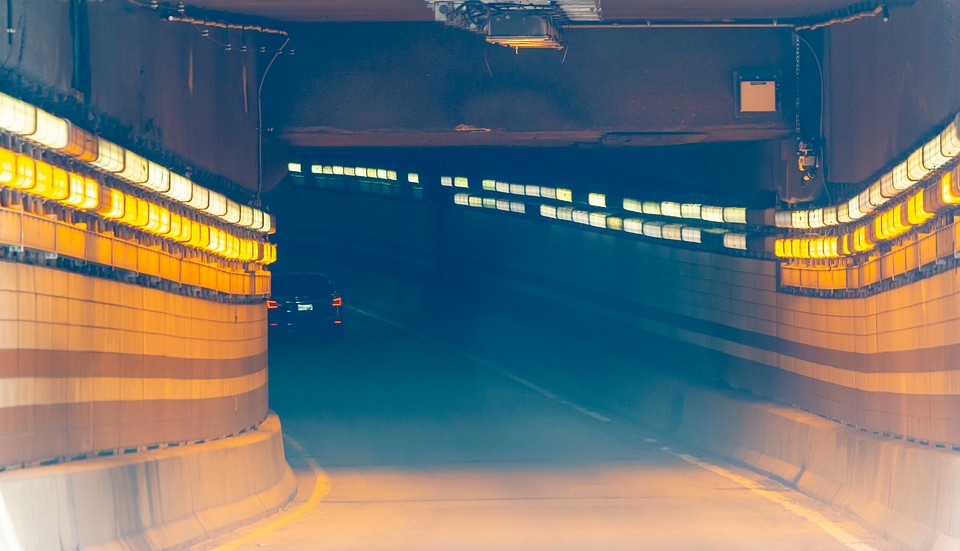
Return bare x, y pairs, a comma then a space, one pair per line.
300, 285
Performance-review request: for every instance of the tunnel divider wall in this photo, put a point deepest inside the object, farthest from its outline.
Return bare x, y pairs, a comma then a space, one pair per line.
162, 499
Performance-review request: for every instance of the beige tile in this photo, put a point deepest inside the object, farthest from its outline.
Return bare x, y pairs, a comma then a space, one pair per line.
9, 304
9, 334
27, 307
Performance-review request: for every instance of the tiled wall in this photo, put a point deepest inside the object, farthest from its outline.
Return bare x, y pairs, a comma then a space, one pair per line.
885, 363
91, 365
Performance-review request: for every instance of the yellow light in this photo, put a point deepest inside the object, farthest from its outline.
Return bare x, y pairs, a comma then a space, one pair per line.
42, 179
614, 223
916, 214
861, 242
113, 204
200, 237
564, 195
8, 166
91, 194
26, 168
294, 167
131, 211
845, 244
782, 248
76, 196
61, 185
946, 190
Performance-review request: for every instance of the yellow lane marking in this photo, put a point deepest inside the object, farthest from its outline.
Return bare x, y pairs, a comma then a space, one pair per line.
320, 490
816, 518
519, 380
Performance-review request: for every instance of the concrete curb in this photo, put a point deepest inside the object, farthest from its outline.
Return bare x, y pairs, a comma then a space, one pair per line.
157, 500
907, 491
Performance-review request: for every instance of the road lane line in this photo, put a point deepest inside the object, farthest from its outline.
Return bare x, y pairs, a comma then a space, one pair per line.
320, 490
493, 367
816, 518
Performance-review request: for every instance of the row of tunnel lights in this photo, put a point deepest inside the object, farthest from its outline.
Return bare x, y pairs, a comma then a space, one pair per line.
895, 221
21, 172
648, 228
60, 135
915, 211
921, 163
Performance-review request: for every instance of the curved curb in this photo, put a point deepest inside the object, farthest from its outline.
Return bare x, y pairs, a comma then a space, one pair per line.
152, 501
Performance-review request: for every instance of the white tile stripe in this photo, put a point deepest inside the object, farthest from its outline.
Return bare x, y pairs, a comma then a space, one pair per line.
40, 391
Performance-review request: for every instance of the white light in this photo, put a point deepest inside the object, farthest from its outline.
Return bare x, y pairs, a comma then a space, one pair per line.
735, 241
413, 178
548, 211
294, 167
669, 208
446, 181
597, 200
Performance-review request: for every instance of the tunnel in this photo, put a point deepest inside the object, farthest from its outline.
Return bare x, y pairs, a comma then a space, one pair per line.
606, 275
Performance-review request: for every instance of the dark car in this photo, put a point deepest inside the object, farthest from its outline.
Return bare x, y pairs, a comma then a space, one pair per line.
304, 303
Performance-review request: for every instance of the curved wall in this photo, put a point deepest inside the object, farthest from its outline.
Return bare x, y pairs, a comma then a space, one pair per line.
882, 363
93, 366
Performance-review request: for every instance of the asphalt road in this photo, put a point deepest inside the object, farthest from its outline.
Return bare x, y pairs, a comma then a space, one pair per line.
407, 443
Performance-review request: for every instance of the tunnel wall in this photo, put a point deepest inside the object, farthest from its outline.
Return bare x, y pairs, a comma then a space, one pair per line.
882, 363
157, 87
92, 366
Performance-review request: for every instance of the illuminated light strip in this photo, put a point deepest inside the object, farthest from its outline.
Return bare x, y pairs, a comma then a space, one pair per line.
71, 189
932, 155
736, 241
946, 190
43, 391
54, 133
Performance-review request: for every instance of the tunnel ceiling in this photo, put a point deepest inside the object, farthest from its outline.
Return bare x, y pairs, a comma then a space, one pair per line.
613, 10
372, 74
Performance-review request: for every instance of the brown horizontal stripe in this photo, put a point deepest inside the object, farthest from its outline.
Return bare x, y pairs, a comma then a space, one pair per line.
61, 363
42, 433
907, 361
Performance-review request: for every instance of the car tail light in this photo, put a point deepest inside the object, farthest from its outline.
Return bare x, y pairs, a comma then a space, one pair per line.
271, 304
337, 301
